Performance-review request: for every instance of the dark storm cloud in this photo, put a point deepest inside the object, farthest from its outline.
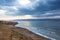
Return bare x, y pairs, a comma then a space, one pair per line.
49, 5
54, 5
32, 9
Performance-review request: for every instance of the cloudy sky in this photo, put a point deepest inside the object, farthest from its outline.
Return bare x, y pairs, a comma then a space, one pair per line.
26, 9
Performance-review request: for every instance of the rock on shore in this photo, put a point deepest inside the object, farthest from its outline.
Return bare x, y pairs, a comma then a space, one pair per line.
8, 23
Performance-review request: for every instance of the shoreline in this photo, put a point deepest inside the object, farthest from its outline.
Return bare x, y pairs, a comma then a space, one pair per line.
43, 35
8, 32
11, 31
37, 33
30, 32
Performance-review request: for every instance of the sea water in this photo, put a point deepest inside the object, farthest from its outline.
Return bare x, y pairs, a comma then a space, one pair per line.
47, 28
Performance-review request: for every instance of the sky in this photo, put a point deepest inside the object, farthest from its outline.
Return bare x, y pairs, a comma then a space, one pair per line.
29, 9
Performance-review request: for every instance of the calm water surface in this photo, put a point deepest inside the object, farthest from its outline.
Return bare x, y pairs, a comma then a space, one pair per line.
47, 28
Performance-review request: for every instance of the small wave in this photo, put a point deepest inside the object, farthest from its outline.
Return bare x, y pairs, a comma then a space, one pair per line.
41, 34
38, 33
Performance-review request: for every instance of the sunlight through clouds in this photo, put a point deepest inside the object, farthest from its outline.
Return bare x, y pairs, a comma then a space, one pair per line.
29, 8
16, 17
24, 2
28, 4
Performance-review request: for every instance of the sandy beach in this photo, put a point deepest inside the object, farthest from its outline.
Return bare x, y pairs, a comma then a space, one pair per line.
9, 32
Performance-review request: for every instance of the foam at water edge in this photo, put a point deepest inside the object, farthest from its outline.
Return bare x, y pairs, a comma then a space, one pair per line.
41, 35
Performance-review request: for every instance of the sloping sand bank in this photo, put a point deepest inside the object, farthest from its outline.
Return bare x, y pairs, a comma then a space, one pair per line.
9, 32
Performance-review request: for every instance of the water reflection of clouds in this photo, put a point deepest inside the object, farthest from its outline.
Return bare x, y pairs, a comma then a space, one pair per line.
27, 24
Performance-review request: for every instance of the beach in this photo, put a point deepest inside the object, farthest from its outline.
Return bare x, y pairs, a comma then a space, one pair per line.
10, 32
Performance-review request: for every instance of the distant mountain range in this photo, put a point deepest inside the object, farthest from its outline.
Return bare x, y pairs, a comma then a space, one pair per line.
37, 20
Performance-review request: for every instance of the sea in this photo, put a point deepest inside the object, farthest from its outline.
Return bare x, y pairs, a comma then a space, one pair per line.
46, 28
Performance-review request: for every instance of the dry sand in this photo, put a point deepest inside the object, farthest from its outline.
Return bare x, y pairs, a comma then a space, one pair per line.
8, 32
